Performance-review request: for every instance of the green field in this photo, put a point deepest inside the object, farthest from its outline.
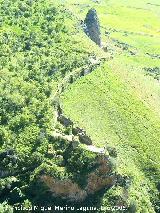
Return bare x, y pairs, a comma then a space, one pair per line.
43, 50
118, 104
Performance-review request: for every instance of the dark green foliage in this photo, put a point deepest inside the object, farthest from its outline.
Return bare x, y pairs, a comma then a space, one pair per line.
5, 208
80, 161
37, 49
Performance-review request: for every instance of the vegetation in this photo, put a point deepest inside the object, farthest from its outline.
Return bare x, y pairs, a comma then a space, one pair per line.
42, 46
118, 104
38, 47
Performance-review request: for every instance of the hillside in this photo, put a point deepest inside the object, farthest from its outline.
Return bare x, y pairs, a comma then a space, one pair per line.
79, 123
118, 104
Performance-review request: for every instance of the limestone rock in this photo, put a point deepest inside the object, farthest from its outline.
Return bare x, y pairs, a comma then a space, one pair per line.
102, 177
64, 121
65, 189
77, 131
96, 149
85, 139
92, 26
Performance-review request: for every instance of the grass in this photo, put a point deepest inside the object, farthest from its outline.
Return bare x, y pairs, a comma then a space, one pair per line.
112, 113
118, 104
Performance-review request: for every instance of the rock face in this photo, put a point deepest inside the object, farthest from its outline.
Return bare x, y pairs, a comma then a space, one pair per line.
83, 137
102, 177
65, 189
80, 155
65, 121
92, 26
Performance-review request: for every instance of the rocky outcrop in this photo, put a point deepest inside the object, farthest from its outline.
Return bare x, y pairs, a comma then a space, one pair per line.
97, 170
102, 177
65, 189
88, 162
92, 26
96, 149
85, 72
64, 121
83, 138
77, 130
60, 136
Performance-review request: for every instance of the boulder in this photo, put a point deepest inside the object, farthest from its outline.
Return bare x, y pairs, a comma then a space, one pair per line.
59, 110
95, 149
77, 130
92, 26
64, 121
85, 139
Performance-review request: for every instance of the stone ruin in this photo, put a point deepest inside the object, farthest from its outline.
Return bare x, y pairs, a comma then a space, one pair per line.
92, 26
